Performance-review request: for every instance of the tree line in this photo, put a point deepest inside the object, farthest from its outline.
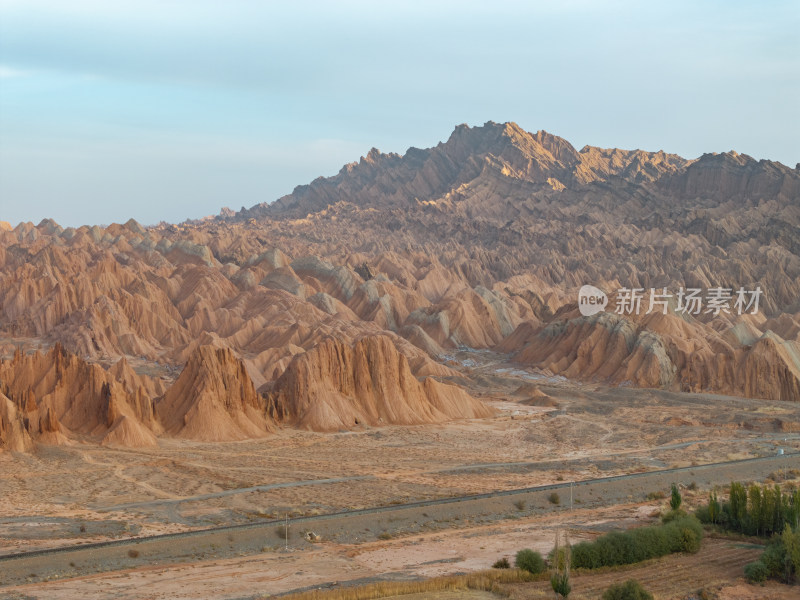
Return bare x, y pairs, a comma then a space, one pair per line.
754, 510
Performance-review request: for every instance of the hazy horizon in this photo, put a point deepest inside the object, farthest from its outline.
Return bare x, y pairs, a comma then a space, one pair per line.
171, 111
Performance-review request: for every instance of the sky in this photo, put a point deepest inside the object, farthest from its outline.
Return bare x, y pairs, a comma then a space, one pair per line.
172, 109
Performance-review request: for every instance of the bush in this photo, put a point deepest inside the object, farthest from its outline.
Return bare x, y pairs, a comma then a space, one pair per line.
690, 540
502, 564
703, 514
530, 560
635, 545
672, 515
780, 560
774, 559
755, 572
133, 553
630, 590
554, 498
560, 584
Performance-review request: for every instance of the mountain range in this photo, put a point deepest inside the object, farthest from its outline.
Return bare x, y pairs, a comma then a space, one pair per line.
312, 310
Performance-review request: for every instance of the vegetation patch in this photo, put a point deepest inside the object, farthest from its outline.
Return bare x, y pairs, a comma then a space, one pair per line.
530, 561
755, 510
781, 559
683, 534
630, 590
502, 564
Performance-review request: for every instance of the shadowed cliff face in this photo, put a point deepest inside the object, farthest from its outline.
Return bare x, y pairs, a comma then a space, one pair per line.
481, 241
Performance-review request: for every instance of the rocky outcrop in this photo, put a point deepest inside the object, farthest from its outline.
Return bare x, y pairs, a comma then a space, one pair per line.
662, 351
338, 386
59, 395
213, 400
14, 434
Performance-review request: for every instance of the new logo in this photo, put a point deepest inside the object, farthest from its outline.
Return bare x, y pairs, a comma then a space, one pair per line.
591, 300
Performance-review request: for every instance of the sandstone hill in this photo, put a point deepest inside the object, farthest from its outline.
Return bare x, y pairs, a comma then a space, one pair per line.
337, 386
59, 398
57, 394
214, 400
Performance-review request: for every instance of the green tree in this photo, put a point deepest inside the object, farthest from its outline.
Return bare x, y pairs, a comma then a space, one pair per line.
768, 509
793, 509
675, 500
779, 509
738, 504
791, 544
756, 508
714, 507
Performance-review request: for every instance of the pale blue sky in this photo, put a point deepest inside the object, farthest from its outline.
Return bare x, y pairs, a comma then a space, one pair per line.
167, 110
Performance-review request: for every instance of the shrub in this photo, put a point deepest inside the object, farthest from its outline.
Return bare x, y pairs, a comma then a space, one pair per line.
554, 498
755, 572
703, 514
560, 584
683, 534
520, 504
530, 560
630, 590
690, 541
780, 560
133, 553
385, 535
502, 564
672, 515
774, 558
560, 567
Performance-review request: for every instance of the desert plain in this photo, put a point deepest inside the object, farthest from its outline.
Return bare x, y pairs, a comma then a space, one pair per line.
65, 496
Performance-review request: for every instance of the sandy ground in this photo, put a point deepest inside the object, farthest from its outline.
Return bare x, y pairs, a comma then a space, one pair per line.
328, 564
68, 495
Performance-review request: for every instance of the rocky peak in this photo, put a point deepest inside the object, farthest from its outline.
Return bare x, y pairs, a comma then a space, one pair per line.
213, 399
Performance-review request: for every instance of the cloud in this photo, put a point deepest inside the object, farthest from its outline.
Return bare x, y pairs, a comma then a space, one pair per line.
8, 72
